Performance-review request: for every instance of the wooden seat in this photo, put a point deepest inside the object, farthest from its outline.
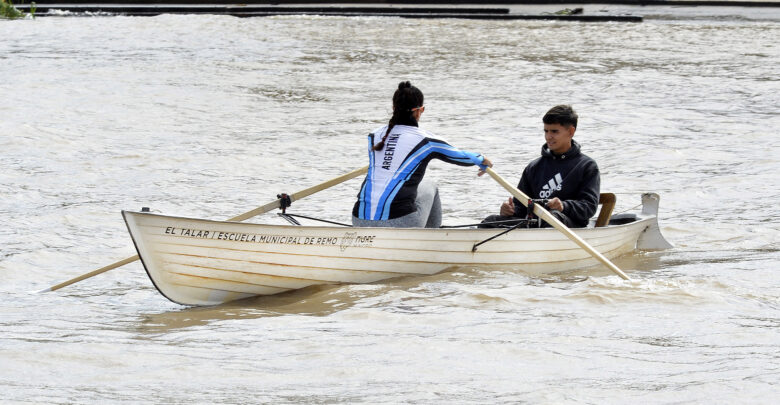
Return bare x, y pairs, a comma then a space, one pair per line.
607, 201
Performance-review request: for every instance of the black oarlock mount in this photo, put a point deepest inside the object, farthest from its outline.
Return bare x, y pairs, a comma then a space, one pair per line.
530, 212
284, 202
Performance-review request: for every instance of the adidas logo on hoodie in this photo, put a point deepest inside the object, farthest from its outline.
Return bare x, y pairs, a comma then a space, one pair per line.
554, 184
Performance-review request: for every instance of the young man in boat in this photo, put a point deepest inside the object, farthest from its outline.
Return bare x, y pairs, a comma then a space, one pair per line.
563, 175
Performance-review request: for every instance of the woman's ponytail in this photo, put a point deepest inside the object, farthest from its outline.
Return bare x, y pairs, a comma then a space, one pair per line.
405, 99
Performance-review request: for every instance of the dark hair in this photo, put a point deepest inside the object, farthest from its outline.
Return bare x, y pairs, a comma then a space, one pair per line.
405, 99
561, 115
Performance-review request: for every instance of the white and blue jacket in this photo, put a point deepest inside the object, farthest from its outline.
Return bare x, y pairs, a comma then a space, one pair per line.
390, 187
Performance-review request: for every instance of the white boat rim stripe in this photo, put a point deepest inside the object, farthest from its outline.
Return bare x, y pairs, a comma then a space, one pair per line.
283, 289
269, 264
573, 247
295, 254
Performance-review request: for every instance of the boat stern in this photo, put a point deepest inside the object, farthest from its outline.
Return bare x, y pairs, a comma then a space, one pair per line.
651, 238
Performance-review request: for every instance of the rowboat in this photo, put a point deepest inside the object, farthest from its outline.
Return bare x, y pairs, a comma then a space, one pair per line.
205, 262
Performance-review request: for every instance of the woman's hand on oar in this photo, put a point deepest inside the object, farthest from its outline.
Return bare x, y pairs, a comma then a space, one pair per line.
486, 163
249, 214
550, 219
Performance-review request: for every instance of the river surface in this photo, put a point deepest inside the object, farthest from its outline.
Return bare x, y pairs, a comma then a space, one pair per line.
211, 116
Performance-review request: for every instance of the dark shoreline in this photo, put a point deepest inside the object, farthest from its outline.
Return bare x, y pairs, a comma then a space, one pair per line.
354, 9
472, 4
559, 10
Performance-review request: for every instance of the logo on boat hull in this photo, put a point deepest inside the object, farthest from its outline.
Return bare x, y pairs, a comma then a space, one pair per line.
353, 239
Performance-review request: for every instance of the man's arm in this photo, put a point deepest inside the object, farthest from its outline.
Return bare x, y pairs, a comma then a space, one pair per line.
520, 209
585, 204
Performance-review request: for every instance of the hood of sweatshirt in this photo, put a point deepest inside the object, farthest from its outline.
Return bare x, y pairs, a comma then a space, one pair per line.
573, 152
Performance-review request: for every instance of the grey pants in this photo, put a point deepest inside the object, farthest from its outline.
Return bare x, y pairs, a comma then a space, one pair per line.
428, 214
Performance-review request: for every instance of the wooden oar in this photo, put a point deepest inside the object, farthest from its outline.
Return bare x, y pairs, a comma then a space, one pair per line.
249, 214
550, 219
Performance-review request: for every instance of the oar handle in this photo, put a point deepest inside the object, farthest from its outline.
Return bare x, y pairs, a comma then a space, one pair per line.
301, 194
542, 213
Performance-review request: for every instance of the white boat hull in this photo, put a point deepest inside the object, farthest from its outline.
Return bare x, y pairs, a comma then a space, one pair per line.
203, 262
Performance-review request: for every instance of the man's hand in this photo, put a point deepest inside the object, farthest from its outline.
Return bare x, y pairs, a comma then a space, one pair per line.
555, 204
508, 208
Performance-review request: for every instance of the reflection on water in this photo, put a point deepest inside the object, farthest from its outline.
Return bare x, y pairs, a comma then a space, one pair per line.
310, 301
210, 116
318, 301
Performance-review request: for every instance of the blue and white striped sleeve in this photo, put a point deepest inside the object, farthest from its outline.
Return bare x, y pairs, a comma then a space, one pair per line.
448, 153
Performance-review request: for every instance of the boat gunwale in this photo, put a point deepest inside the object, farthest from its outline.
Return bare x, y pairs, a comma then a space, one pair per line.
488, 231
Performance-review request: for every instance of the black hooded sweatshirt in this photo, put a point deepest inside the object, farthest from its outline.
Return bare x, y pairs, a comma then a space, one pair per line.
572, 177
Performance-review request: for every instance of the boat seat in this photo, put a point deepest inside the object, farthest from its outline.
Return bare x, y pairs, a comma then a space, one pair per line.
625, 218
607, 201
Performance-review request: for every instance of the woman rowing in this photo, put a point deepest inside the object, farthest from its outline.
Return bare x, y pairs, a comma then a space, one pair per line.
394, 193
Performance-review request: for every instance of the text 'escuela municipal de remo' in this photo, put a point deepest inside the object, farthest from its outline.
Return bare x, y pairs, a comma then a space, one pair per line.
349, 238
